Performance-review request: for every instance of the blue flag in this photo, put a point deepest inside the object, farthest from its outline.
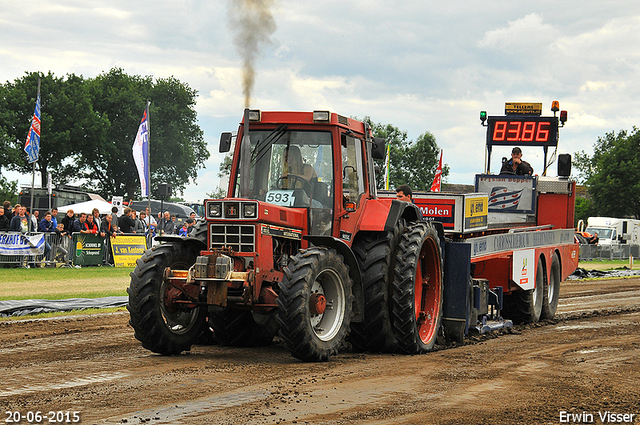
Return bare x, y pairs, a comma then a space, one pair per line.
32, 147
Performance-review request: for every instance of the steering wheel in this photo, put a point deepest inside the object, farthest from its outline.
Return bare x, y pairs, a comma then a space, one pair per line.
306, 186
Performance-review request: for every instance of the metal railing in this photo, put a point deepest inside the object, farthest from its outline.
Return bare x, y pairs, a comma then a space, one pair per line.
56, 251
609, 252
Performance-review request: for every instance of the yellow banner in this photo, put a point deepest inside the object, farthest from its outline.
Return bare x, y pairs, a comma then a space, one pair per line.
475, 212
520, 108
127, 249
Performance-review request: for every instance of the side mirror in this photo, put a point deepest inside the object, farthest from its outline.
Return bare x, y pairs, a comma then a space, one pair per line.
225, 142
377, 148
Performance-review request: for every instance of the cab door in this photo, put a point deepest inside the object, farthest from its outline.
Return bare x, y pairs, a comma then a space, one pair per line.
349, 204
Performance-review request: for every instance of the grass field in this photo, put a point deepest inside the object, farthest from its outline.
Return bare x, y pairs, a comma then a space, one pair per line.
94, 282
62, 283
608, 264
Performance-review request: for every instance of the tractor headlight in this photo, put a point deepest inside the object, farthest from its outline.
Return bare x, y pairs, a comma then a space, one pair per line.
215, 210
249, 210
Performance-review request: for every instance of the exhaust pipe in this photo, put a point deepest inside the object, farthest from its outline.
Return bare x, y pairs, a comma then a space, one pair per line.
245, 158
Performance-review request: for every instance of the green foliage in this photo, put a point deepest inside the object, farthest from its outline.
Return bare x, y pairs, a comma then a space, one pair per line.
218, 193
612, 174
67, 120
412, 162
89, 125
584, 210
8, 190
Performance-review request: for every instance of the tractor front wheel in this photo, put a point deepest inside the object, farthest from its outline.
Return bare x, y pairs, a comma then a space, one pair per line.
160, 325
315, 304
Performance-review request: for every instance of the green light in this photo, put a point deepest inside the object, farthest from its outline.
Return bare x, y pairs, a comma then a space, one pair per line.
483, 116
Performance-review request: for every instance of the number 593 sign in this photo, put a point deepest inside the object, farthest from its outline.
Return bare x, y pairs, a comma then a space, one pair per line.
283, 198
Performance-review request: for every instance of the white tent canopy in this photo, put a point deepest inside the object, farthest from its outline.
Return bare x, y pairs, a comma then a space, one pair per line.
87, 206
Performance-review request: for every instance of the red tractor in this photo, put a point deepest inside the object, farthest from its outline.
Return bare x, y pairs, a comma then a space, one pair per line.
301, 245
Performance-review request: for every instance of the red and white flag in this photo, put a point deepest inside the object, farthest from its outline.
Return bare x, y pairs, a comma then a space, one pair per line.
437, 179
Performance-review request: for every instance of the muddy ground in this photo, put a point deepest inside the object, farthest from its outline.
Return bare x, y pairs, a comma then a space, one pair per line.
586, 362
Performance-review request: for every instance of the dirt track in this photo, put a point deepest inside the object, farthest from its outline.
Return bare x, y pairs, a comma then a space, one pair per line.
587, 361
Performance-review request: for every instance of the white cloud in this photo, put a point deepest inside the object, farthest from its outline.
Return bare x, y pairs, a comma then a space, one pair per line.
422, 66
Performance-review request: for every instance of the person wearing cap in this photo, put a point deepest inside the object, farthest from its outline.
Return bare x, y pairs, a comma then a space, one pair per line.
516, 165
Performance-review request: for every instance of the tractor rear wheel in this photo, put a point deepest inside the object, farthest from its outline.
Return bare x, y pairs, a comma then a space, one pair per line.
239, 328
376, 254
315, 304
417, 295
552, 290
160, 325
526, 306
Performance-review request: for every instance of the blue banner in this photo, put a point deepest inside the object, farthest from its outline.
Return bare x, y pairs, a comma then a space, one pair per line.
32, 147
20, 244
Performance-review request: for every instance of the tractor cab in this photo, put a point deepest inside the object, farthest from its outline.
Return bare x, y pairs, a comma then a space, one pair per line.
301, 160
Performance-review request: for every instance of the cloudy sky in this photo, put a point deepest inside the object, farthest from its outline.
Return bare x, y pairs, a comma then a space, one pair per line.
419, 65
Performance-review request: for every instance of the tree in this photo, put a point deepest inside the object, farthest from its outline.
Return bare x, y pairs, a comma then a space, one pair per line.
612, 174
67, 118
411, 162
8, 190
177, 146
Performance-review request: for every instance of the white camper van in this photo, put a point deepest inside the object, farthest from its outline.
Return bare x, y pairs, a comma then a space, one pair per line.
614, 231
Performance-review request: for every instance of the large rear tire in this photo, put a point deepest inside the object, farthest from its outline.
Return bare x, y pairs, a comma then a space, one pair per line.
315, 304
376, 254
163, 327
552, 290
239, 328
417, 296
526, 306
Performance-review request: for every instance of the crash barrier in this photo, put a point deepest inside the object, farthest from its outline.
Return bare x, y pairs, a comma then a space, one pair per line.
608, 252
29, 249
81, 249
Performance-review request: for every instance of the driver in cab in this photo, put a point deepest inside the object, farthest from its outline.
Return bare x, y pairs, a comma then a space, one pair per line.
294, 170
516, 165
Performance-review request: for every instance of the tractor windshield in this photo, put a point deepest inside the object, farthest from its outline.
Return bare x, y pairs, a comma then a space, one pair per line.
292, 168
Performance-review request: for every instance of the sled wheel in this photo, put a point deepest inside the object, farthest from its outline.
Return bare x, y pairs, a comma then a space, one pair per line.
315, 304
161, 326
552, 290
417, 297
526, 306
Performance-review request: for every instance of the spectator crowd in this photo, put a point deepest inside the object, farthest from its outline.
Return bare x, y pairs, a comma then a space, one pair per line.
108, 226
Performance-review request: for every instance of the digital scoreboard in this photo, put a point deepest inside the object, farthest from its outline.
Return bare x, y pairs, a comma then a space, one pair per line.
522, 130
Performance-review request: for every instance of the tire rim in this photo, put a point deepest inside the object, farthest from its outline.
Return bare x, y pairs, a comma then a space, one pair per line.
539, 283
177, 321
427, 291
326, 325
554, 280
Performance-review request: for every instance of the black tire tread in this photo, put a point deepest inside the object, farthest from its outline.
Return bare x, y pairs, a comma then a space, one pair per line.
376, 255
294, 290
144, 302
404, 321
549, 308
519, 305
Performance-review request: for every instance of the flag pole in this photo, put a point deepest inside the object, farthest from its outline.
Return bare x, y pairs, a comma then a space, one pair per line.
33, 172
149, 165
